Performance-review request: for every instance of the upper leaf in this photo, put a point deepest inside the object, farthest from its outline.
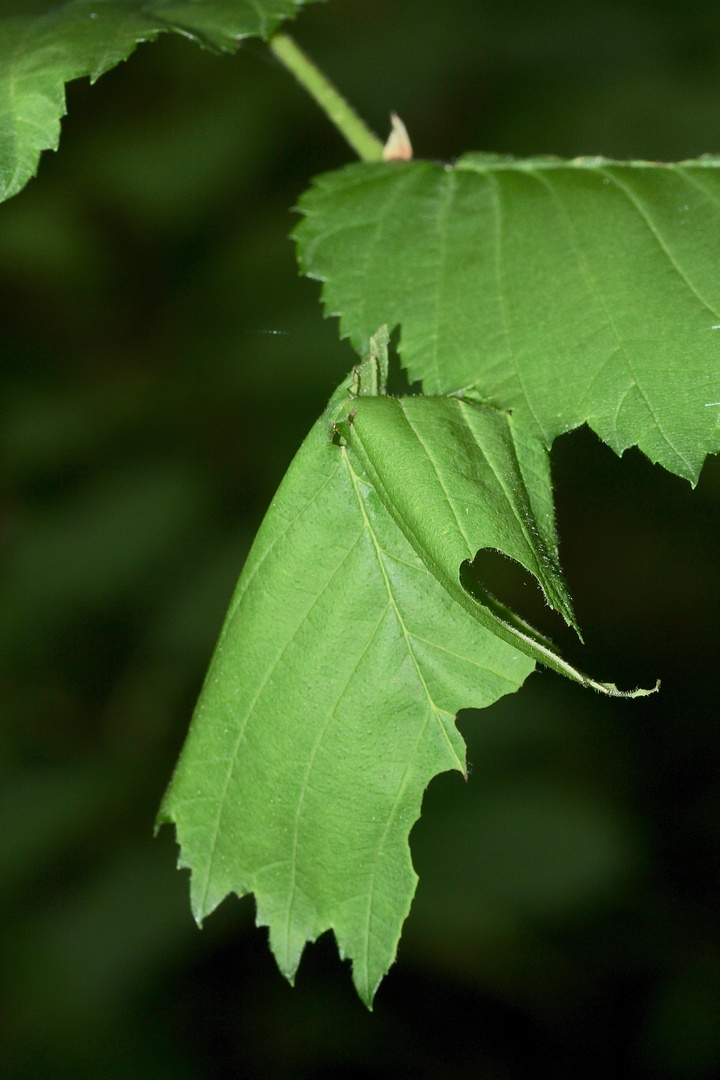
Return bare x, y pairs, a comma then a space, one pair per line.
39, 53
328, 707
575, 291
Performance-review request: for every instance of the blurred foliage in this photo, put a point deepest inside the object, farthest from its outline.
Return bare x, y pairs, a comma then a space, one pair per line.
160, 362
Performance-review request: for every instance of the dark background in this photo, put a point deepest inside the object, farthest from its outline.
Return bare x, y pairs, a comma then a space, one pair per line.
160, 362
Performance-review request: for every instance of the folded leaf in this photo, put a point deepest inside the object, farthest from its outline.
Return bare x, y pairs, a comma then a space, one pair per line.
457, 477
567, 291
328, 707
461, 477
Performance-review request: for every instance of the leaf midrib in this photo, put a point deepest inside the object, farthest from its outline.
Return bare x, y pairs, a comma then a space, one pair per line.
434, 711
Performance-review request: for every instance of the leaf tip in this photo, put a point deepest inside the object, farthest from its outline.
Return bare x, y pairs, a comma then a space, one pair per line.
612, 691
366, 993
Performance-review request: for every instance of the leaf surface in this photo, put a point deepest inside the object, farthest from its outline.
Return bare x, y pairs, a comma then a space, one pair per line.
39, 53
328, 707
567, 291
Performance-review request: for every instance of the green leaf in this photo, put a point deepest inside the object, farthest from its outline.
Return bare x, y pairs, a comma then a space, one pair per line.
39, 53
567, 291
461, 477
328, 707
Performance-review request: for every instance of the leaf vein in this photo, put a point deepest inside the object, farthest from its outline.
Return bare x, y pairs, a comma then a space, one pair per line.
310, 766
243, 722
592, 284
243, 587
436, 470
459, 656
652, 228
434, 711
689, 178
502, 301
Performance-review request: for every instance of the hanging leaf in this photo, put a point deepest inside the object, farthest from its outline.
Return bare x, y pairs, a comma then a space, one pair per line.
328, 707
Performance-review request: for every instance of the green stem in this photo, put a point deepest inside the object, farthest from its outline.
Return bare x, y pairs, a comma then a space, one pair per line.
366, 145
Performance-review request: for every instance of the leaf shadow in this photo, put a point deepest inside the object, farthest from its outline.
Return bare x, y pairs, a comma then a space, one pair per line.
493, 573
399, 384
